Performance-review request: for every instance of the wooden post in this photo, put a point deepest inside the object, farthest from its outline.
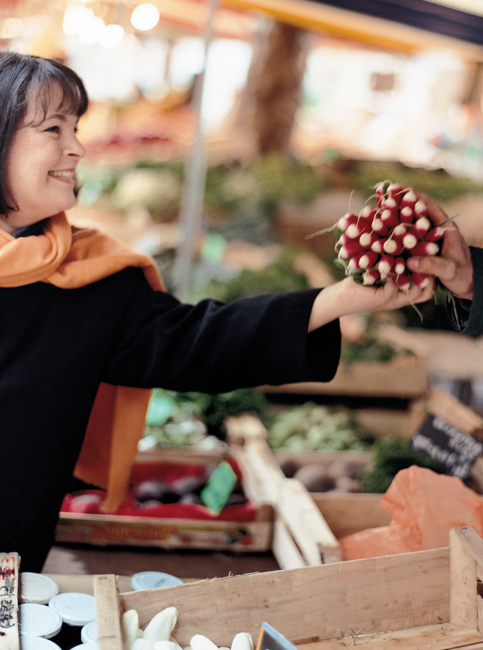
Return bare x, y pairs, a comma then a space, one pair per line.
466, 568
108, 612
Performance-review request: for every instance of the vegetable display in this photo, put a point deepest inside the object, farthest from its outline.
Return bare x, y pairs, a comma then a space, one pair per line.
310, 427
376, 243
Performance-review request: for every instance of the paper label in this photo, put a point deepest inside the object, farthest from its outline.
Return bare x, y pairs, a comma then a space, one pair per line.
219, 487
8, 601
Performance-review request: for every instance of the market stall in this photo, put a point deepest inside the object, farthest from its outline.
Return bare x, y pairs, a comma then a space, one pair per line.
233, 191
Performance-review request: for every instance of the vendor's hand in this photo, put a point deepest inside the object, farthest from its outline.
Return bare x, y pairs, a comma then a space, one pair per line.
349, 297
453, 267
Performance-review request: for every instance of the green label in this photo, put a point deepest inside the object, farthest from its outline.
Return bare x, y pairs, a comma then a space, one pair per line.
219, 487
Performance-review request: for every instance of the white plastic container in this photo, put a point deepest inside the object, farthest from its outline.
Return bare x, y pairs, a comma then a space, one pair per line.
38, 643
39, 620
153, 580
74, 608
89, 633
36, 588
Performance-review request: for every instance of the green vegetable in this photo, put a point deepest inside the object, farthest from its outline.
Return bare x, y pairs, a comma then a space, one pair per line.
310, 427
186, 418
390, 456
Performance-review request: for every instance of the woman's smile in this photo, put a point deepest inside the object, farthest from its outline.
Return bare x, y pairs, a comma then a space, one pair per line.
66, 175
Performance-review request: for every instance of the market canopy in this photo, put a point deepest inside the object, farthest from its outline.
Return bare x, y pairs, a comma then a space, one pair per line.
403, 25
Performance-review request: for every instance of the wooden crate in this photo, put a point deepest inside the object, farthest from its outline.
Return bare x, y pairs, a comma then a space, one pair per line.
307, 526
171, 533
424, 600
301, 536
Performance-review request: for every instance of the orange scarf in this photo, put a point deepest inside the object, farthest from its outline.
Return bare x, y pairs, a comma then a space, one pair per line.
69, 257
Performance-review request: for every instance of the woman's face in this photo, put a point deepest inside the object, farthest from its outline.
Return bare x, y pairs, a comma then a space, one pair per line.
41, 165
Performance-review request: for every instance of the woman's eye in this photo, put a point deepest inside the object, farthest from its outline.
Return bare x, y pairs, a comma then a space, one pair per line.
53, 129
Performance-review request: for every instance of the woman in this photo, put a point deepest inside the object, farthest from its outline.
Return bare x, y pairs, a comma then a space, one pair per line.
86, 328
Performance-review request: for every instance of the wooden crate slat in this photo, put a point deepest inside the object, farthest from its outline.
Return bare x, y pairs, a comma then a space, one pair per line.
108, 612
429, 637
403, 591
284, 548
313, 538
347, 514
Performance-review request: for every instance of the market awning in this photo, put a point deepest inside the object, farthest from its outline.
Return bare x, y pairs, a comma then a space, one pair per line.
402, 25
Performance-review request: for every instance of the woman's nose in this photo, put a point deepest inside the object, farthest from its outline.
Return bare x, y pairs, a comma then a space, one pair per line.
75, 148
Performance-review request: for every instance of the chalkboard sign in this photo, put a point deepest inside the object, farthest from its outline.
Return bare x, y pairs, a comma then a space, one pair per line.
453, 450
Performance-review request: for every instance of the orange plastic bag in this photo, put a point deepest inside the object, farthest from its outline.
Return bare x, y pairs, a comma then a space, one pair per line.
424, 507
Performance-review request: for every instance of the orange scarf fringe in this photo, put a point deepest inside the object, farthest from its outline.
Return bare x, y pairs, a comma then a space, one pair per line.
69, 258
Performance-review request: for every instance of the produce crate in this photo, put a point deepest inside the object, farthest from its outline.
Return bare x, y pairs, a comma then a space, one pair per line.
173, 533
301, 536
422, 600
307, 526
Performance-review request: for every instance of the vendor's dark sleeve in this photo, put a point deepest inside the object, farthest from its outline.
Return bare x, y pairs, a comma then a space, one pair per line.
215, 347
467, 315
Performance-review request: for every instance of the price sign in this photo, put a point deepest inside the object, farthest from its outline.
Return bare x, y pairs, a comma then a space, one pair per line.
9, 565
454, 451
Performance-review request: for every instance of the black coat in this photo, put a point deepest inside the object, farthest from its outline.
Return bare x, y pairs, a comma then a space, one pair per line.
57, 345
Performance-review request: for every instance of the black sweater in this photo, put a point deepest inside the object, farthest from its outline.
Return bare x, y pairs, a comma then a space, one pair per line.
57, 345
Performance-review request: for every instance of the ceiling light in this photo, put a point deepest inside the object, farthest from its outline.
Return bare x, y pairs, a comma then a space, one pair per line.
145, 16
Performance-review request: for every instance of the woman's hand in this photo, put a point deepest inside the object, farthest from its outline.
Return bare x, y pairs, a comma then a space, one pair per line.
454, 266
349, 297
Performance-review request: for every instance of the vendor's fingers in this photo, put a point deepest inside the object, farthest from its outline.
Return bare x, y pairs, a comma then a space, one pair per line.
443, 268
454, 242
458, 278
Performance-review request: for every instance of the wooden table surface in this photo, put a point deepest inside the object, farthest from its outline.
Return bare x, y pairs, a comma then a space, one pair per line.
72, 566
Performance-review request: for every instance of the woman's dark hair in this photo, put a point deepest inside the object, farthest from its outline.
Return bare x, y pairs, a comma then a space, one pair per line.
20, 76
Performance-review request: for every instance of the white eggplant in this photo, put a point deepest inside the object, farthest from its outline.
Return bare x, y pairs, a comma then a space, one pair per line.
160, 626
164, 645
129, 627
242, 641
200, 642
141, 644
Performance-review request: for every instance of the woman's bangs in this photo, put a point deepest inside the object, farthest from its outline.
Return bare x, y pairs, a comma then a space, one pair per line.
73, 97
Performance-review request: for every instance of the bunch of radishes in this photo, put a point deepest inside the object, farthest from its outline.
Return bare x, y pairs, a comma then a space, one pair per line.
376, 243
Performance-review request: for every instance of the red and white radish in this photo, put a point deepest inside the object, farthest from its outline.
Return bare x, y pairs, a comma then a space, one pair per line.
393, 247
403, 282
368, 259
370, 277
376, 244
385, 265
367, 239
421, 227
399, 265
420, 279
